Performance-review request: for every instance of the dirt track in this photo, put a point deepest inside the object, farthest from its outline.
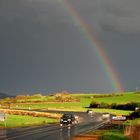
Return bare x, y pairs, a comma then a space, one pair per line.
86, 137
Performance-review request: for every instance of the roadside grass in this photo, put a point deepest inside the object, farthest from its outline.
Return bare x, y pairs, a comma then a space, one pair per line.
136, 121
111, 132
112, 111
20, 121
113, 136
115, 131
133, 122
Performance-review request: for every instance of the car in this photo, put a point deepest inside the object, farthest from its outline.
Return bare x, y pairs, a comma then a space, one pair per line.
105, 115
119, 118
89, 111
68, 119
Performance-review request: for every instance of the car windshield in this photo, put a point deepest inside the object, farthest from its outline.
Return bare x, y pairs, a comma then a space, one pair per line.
67, 116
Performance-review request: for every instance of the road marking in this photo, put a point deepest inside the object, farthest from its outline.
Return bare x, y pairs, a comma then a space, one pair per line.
52, 130
34, 132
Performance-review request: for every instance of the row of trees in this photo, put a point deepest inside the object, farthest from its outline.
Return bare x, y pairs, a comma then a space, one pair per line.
128, 106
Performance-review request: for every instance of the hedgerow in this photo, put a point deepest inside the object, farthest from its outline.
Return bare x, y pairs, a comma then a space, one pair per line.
128, 106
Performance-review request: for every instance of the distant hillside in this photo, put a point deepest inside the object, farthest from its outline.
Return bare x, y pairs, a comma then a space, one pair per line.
3, 95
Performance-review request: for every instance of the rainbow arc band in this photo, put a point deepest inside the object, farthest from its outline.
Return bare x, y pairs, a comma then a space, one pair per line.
101, 54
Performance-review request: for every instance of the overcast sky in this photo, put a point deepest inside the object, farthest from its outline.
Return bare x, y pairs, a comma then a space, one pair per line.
43, 50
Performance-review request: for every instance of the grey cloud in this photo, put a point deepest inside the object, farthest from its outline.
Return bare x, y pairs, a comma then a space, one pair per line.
122, 16
110, 15
121, 24
42, 47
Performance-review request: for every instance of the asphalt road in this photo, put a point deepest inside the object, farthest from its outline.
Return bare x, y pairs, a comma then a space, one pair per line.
54, 131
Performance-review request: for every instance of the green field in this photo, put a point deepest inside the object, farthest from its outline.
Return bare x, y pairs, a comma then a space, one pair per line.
127, 97
84, 100
49, 103
123, 98
17, 120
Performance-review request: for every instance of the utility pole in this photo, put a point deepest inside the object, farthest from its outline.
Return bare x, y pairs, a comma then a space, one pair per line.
136, 88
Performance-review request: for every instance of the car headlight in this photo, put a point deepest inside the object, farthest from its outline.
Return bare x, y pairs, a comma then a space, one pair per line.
61, 119
69, 120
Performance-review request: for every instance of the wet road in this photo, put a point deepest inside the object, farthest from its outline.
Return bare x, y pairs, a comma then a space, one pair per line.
54, 131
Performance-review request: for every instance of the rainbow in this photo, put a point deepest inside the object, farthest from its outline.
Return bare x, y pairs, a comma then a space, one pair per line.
101, 54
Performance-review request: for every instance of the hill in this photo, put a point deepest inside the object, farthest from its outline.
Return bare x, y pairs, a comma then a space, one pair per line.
3, 95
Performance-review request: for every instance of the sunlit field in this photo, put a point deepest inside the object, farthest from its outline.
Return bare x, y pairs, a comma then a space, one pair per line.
18, 120
84, 100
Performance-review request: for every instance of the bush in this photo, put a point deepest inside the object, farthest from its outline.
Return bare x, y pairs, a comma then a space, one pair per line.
113, 136
94, 104
129, 106
104, 105
113, 106
135, 114
132, 106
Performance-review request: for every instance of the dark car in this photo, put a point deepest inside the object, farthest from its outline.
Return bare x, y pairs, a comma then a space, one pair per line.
67, 119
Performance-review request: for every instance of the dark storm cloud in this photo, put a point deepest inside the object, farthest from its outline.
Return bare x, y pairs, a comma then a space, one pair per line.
121, 15
117, 26
112, 15
42, 47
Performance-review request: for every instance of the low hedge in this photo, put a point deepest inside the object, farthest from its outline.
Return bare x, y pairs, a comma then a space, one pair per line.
129, 106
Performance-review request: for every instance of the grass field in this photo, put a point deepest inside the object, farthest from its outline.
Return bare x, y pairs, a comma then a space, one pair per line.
46, 102
17, 120
84, 102
124, 98
48, 105
127, 97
